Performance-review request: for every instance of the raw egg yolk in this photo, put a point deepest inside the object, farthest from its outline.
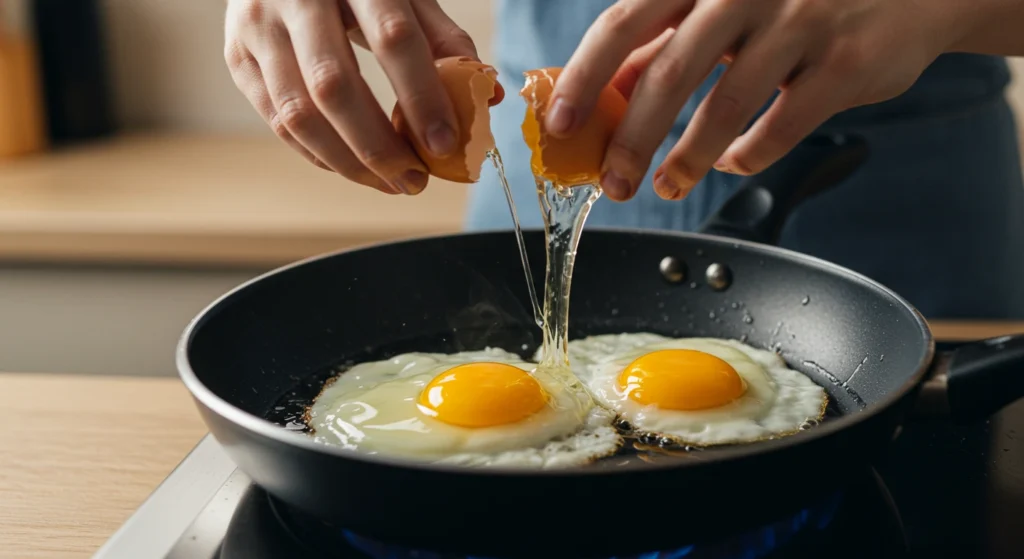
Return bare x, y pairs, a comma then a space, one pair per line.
681, 379
482, 395
568, 161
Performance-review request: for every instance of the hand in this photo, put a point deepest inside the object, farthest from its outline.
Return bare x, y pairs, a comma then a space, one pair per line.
294, 62
823, 55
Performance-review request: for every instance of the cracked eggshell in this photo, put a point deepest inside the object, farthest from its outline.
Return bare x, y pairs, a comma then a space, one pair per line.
576, 160
473, 88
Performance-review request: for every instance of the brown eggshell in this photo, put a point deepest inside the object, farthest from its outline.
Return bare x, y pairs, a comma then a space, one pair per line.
576, 160
473, 88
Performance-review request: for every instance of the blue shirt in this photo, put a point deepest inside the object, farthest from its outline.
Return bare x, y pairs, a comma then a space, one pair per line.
937, 213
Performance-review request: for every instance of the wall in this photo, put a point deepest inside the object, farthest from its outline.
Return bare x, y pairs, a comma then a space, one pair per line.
170, 72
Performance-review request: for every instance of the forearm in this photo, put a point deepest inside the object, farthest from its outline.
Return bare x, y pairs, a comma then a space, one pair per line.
987, 26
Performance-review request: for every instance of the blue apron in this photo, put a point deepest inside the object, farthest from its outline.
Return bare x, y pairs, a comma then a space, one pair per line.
937, 214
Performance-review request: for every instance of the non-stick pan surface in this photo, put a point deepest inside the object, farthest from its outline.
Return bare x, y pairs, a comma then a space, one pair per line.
466, 292
865, 345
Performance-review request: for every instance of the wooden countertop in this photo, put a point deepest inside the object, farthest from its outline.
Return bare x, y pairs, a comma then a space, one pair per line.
201, 199
79, 453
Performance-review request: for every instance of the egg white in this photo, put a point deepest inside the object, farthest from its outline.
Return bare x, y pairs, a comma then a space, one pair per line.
778, 400
372, 407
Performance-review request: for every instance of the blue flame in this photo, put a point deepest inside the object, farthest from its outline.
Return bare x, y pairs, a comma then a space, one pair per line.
754, 544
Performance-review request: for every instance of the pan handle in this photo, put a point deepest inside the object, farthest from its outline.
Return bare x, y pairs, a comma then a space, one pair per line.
761, 204
975, 381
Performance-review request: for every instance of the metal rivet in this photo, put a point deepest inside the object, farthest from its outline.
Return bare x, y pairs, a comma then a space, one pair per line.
718, 276
672, 269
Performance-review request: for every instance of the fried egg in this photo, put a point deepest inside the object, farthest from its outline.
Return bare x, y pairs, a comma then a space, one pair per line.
475, 408
696, 391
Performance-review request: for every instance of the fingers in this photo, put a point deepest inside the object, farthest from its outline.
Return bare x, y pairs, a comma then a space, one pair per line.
249, 80
297, 115
669, 80
607, 43
444, 36
331, 75
629, 73
753, 77
797, 112
393, 32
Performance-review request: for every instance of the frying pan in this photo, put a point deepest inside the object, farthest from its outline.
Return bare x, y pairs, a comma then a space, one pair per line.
281, 334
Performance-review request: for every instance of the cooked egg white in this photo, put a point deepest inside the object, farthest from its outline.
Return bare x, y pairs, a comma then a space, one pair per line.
478, 408
696, 391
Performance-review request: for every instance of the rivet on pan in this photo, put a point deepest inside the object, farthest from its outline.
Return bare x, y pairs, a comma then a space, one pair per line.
672, 269
718, 276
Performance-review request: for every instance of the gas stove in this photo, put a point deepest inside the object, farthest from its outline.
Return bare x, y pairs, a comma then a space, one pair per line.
944, 491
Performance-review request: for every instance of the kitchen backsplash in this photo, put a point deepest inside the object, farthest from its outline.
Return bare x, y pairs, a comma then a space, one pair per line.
168, 67
168, 64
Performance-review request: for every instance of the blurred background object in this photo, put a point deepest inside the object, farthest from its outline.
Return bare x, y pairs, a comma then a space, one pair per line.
163, 188
73, 64
21, 114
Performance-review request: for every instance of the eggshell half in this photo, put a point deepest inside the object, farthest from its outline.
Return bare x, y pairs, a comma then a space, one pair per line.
473, 87
576, 160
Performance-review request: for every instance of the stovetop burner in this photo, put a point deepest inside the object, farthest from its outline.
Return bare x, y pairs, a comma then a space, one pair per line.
264, 528
754, 544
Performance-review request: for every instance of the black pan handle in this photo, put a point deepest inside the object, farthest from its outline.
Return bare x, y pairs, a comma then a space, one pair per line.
763, 202
976, 380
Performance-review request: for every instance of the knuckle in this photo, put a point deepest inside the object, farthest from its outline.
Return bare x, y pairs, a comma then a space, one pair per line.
665, 73
617, 19
236, 56
726, 107
329, 81
395, 33
381, 159
279, 128
250, 13
626, 156
295, 115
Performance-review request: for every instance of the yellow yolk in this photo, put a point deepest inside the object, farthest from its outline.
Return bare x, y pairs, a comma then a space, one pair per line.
681, 379
482, 395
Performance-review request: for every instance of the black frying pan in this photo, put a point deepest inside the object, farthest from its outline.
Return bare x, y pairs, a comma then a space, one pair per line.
283, 332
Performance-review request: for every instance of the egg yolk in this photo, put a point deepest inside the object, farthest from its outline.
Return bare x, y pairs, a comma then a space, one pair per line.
568, 161
681, 379
482, 395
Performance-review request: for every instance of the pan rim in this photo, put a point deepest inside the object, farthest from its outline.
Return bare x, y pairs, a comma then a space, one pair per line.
267, 429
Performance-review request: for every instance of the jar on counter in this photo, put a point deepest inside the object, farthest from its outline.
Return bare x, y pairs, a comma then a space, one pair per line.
22, 121
73, 69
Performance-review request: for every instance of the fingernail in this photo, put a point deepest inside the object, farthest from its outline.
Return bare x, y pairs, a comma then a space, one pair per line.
411, 182
666, 187
560, 117
722, 165
616, 187
441, 139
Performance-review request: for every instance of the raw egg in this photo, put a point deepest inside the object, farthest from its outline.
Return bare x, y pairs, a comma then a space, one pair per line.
473, 88
576, 160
